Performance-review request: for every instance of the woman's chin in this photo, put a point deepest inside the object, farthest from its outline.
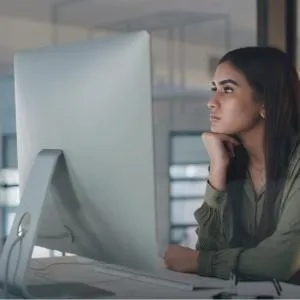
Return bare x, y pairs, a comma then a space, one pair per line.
218, 129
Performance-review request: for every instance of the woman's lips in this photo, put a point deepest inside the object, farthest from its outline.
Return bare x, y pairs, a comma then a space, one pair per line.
214, 118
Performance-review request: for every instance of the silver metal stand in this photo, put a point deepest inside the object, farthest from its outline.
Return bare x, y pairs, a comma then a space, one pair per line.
14, 260
18, 248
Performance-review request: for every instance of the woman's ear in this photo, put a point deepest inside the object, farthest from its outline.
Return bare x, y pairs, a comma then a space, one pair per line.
262, 112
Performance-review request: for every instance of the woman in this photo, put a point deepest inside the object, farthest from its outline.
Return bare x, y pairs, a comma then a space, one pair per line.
250, 220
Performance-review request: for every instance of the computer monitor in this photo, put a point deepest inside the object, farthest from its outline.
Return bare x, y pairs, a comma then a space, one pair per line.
84, 117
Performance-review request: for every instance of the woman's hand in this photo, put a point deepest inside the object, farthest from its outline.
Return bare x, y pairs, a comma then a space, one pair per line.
220, 148
181, 259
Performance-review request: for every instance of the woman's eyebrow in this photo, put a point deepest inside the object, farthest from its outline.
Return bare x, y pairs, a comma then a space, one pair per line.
225, 81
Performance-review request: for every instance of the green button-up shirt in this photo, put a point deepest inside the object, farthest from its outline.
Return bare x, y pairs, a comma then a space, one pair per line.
278, 256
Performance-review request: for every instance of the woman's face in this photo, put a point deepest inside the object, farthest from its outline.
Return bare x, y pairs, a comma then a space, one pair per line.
232, 107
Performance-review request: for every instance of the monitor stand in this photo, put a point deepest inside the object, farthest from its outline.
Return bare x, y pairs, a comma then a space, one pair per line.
17, 250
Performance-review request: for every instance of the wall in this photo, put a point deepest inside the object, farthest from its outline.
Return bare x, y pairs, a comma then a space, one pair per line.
7, 107
25, 34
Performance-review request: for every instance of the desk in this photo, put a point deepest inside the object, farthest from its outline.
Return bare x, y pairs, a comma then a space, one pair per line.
74, 268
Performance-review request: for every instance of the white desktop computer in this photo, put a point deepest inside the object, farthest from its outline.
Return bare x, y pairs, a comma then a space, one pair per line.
85, 155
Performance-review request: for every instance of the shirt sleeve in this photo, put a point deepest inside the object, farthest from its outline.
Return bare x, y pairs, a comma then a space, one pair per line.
277, 256
213, 197
209, 219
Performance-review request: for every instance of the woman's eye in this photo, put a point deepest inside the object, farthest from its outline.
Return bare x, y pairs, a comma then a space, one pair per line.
228, 90
213, 89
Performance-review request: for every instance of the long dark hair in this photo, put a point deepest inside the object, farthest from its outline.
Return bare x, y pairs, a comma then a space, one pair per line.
275, 83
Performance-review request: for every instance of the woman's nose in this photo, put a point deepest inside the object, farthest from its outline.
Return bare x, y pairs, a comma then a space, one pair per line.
212, 102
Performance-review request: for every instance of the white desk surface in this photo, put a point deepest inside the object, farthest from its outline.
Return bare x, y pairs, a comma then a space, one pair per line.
72, 268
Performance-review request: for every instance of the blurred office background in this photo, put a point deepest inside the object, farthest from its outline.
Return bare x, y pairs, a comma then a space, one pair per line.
188, 38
